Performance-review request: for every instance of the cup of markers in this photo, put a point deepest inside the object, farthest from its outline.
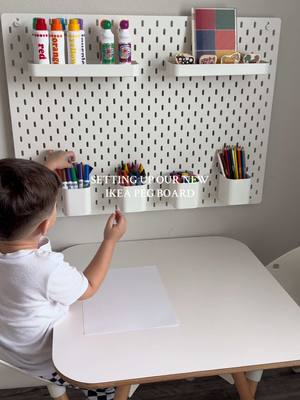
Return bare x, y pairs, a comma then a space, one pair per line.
76, 189
234, 183
185, 189
132, 187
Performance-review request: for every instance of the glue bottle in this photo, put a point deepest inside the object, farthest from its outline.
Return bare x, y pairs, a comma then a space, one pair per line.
124, 43
40, 41
107, 43
57, 42
74, 42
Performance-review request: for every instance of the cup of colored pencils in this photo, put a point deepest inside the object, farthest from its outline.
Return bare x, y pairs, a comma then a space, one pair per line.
132, 190
232, 162
234, 183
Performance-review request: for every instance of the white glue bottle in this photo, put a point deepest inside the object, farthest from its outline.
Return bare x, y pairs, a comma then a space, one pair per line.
107, 43
124, 43
40, 41
74, 42
82, 41
57, 42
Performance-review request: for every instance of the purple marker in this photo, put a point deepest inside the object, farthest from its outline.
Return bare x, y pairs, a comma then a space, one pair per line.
124, 43
80, 175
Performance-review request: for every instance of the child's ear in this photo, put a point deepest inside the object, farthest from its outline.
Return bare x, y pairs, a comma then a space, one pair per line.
43, 227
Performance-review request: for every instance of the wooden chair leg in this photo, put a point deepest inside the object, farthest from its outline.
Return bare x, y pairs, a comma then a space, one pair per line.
242, 386
122, 392
62, 397
253, 387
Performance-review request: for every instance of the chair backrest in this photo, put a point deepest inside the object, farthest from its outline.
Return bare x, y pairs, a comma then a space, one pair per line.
286, 270
12, 377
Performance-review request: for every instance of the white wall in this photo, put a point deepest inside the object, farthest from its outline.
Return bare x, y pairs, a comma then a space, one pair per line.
270, 228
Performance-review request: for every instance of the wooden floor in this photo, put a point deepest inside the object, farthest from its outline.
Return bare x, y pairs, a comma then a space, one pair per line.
276, 385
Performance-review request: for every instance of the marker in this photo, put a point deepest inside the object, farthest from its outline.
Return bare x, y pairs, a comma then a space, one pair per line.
86, 176
64, 181
74, 42
40, 41
80, 175
74, 178
68, 178
57, 42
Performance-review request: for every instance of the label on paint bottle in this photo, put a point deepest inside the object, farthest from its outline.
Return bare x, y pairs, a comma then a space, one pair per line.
57, 47
108, 53
82, 47
124, 53
74, 47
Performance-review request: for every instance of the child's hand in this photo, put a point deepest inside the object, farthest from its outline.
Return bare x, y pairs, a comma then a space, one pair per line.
115, 227
59, 159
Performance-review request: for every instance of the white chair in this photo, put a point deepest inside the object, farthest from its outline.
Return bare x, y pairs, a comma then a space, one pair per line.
12, 377
286, 270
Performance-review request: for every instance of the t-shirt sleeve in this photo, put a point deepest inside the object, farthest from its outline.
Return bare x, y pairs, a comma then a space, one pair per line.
66, 284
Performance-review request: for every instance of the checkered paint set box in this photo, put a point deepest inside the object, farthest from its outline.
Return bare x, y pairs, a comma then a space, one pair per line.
213, 31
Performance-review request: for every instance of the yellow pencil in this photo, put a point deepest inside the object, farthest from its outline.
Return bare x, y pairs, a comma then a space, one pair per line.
236, 173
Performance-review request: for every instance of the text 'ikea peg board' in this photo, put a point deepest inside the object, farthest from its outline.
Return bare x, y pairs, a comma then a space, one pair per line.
167, 123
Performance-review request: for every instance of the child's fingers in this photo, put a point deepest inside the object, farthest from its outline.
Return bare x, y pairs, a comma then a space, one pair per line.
70, 156
110, 221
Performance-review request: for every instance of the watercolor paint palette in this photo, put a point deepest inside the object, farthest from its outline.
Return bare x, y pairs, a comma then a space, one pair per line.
214, 31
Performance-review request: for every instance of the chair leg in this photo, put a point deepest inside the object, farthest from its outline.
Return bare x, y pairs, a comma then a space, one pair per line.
241, 384
63, 397
122, 392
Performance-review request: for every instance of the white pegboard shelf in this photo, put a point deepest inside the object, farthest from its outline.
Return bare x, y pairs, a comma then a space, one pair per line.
85, 70
164, 122
181, 70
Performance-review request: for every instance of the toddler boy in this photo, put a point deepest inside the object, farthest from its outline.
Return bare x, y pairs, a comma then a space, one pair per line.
36, 285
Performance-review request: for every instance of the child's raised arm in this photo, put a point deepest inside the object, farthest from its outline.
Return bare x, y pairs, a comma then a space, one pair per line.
97, 268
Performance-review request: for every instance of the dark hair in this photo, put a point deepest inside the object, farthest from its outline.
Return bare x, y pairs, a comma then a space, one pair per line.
28, 192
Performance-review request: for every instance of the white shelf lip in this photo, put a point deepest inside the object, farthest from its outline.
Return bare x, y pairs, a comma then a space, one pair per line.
94, 70
173, 69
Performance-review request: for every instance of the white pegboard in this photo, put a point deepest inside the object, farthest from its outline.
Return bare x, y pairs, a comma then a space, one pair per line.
166, 123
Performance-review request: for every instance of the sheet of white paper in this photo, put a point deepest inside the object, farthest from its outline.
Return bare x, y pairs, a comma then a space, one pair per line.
129, 299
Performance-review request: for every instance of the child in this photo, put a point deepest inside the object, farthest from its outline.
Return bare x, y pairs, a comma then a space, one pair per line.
36, 285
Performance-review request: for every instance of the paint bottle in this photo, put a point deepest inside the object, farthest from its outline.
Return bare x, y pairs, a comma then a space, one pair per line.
82, 41
57, 42
124, 43
100, 39
107, 44
40, 41
74, 42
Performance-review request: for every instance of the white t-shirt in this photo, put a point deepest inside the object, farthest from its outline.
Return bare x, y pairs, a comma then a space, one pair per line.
36, 289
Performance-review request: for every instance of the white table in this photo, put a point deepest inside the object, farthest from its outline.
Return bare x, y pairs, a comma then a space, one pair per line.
233, 315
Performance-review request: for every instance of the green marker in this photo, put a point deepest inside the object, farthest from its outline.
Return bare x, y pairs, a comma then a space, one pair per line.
74, 178
107, 43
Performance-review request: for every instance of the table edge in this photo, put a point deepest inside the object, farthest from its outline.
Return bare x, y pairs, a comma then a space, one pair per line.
183, 375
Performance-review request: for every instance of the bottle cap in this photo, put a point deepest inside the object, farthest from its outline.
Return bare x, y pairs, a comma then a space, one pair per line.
56, 24
73, 25
41, 24
80, 22
124, 24
106, 24
63, 23
34, 23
